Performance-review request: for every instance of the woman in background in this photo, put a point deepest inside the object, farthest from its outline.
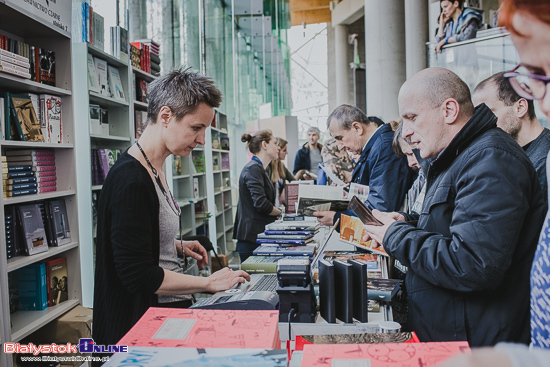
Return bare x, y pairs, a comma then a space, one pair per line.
256, 206
279, 174
456, 25
529, 24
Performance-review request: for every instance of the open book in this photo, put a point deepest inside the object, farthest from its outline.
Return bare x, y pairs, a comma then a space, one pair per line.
351, 231
312, 198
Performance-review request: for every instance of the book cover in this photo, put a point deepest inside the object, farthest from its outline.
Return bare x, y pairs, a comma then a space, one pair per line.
95, 124
141, 91
228, 357
307, 206
139, 123
383, 355
60, 222
93, 79
26, 117
176, 165
370, 259
225, 162
46, 66
31, 284
224, 142
265, 264
175, 327
382, 289
216, 140
115, 84
99, 31
291, 195
103, 164
198, 163
101, 67
215, 162
104, 122
57, 281
32, 226
351, 231
35, 98
51, 109
196, 189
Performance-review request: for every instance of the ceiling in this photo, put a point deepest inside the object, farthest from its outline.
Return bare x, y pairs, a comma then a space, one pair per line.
309, 11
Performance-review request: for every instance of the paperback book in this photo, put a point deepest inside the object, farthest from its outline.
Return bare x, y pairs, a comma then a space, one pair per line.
26, 118
32, 227
31, 284
60, 223
115, 84
57, 281
351, 231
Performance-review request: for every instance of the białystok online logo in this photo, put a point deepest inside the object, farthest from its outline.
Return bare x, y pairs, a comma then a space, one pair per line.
84, 346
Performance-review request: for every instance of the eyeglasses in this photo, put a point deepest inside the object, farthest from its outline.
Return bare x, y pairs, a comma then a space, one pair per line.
527, 85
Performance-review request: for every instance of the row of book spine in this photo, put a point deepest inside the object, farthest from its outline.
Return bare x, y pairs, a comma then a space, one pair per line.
39, 286
28, 172
30, 62
102, 161
87, 25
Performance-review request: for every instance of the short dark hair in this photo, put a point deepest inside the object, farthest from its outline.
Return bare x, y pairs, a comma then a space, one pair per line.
346, 114
181, 90
460, 6
254, 142
506, 93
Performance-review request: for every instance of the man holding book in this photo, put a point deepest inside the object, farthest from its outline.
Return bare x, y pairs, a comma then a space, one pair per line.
378, 167
470, 255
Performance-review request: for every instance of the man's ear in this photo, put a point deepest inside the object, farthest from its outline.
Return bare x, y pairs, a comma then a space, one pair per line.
450, 110
357, 127
521, 107
164, 115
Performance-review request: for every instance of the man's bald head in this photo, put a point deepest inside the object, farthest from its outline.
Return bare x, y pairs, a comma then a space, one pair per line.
435, 85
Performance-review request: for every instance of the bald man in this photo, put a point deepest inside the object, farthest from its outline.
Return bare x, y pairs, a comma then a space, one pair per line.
470, 255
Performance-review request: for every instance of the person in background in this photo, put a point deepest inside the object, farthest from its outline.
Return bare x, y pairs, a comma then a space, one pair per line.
378, 167
529, 24
336, 160
138, 218
279, 174
256, 206
516, 116
471, 250
456, 25
309, 156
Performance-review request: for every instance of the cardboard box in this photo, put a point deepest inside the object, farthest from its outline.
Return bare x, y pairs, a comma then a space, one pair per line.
224, 259
68, 328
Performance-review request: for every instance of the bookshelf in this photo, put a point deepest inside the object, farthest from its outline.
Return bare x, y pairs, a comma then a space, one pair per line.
118, 136
36, 32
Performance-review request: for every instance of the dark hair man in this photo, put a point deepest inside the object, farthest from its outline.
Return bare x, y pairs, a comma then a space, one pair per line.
469, 257
517, 117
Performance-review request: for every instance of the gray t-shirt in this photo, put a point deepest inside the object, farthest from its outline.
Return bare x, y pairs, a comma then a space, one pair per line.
315, 158
168, 256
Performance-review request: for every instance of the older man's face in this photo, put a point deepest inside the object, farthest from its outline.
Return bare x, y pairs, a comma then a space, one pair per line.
422, 124
349, 140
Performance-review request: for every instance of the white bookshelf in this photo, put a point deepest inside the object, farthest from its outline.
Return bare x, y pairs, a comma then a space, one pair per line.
18, 25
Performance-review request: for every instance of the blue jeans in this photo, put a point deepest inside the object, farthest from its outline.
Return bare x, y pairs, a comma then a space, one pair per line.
245, 249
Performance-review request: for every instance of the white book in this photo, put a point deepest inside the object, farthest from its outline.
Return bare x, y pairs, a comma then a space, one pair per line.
93, 78
51, 110
116, 84
95, 123
101, 68
99, 31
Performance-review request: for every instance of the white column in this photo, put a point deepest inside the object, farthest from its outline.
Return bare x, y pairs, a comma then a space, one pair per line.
416, 34
385, 56
342, 69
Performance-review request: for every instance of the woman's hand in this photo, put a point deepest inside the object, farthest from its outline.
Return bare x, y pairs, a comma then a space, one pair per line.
195, 250
225, 279
439, 46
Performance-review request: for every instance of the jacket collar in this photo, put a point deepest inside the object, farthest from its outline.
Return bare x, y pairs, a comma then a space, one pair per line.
365, 153
306, 146
482, 120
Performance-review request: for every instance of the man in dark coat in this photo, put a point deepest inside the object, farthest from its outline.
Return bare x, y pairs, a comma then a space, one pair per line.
378, 167
470, 255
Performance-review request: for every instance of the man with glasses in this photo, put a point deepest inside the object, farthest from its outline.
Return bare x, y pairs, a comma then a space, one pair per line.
516, 116
470, 255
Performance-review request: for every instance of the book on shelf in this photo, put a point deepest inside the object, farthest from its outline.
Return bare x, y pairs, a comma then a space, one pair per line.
115, 83
198, 162
13, 293
98, 26
196, 188
93, 78
25, 118
351, 231
228, 357
140, 122
266, 264
32, 228
171, 327
46, 66
216, 140
135, 56
176, 165
225, 162
57, 281
119, 43
141, 91
95, 123
31, 287
224, 142
101, 68
2, 120
51, 108
59, 219
215, 163
104, 122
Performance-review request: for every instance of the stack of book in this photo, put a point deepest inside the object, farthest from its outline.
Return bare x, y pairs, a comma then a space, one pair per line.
27, 172
152, 59
144, 56
119, 43
9, 223
12, 63
102, 161
288, 238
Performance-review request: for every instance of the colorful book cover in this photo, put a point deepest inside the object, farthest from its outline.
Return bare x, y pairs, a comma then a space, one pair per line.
382, 355
198, 162
370, 259
31, 284
176, 165
25, 115
224, 141
228, 357
216, 140
351, 231
51, 109
188, 328
57, 281
46, 66
225, 162
33, 231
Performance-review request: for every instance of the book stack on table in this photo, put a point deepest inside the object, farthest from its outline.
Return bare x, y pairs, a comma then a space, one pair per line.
29, 171
283, 239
